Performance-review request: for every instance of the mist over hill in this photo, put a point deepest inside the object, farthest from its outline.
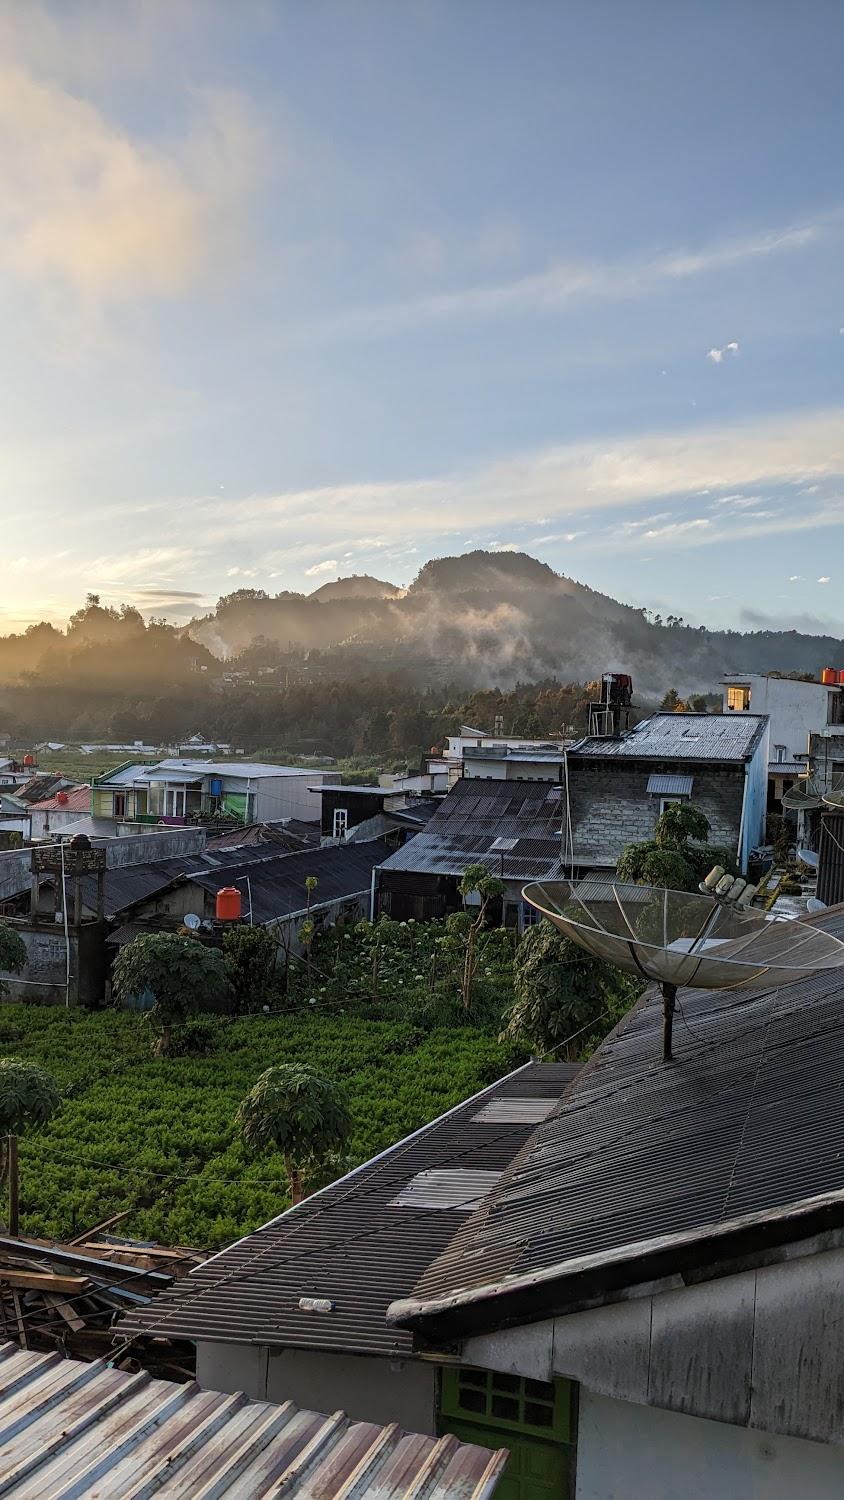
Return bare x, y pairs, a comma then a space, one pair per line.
493, 619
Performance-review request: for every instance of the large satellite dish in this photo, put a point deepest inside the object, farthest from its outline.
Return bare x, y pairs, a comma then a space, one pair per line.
802, 796
679, 938
834, 797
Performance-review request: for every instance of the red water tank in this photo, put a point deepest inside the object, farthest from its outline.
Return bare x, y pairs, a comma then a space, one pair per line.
841, 676
829, 676
228, 904
29, 760
61, 798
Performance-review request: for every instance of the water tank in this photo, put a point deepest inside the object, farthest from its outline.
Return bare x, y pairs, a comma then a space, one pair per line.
228, 904
61, 798
841, 677
829, 676
29, 760
216, 786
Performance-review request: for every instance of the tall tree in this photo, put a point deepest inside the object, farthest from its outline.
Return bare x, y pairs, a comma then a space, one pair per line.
181, 973
300, 1114
565, 999
29, 1096
476, 882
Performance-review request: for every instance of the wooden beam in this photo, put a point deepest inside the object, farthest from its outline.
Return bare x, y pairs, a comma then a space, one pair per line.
42, 1281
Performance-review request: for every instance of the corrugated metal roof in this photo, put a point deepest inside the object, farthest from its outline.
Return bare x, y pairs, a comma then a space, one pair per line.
346, 1243
670, 786
277, 879
463, 1188
76, 799
475, 815
830, 887
85, 1430
748, 1118
722, 737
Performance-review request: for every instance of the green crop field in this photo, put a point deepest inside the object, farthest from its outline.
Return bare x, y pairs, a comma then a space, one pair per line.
156, 1134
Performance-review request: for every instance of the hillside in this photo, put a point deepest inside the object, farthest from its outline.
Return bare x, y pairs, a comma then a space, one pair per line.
498, 618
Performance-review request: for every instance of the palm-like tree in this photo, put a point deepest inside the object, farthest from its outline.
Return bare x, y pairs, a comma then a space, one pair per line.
28, 1097
300, 1114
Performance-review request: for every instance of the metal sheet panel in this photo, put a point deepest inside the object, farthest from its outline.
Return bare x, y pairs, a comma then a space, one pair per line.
670, 786
86, 1430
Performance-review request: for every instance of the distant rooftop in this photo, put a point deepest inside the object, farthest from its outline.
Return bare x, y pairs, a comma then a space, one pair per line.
193, 770
725, 737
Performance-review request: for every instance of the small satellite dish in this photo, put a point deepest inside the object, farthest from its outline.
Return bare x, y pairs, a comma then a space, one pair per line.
193, 921
679, 938
808, 857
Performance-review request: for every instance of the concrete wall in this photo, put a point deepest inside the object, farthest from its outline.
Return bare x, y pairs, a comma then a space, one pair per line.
611, 807
795, 709
369, 1389
286, 796
160, 843
759, 1349
44, 977
625, 1451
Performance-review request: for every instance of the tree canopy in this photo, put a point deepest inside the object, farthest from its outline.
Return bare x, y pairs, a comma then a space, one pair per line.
564, 998
182, 974
13, 953
679, 854
300, 1114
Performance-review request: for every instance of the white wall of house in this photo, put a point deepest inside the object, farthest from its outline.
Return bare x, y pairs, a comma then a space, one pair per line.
644, 1454
369, 1389
795, 709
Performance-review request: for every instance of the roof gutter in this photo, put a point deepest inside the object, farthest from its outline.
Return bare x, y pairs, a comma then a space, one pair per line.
591, 1280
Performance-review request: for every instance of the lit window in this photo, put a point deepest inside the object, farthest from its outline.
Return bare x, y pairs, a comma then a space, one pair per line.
341, 822
738, 699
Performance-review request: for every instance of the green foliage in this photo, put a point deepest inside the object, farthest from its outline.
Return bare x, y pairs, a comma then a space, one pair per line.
300, 1114
28, 1096
670, 858
158, 1136
184, 976
565, 999
249, 956
12, 952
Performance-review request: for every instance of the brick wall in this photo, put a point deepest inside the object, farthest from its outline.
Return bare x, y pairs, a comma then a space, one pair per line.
610, 806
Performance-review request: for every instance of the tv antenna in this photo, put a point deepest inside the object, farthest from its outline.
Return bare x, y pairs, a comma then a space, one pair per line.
681, 938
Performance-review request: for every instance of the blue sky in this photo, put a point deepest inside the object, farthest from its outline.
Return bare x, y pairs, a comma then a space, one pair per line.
292, 290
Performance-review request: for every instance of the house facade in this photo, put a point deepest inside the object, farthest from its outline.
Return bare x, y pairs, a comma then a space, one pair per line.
796, 710
617, 787
181, 791
667, 1255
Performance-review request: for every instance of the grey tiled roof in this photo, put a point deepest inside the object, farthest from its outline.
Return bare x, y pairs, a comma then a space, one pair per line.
723, 737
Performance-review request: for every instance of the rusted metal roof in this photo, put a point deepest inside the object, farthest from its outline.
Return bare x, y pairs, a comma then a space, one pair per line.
472, 823
699, 737
642, 1158
350, 1243
85, 1430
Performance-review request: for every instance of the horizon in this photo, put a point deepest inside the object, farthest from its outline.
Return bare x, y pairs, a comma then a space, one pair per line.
299, 293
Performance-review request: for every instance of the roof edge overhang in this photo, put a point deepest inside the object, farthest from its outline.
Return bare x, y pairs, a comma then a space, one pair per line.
703, 1253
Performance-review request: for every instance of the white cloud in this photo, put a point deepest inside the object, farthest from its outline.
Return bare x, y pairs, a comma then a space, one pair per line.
716, 355
677, 528
330, 565
95, 214
824, 579
569, 282
795, 578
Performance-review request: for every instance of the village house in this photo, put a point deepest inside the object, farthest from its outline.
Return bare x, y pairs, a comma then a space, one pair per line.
53, 814
366, 812
616, 786
454, 755
514, 829
667, 1254
177, 791
394, 1215
796, 710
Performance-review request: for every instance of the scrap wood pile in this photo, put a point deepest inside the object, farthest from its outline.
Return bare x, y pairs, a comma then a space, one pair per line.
69, 1297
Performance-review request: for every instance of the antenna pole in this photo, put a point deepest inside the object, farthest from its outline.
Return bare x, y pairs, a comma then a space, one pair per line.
669, 993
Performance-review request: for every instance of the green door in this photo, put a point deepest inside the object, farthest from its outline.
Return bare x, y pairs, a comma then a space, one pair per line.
533, 1418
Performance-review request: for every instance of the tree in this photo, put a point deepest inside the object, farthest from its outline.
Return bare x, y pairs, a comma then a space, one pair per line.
476, 881
28, 1098
670, 858
13, 953
300, 1114
182, 974
562, 993
249, 955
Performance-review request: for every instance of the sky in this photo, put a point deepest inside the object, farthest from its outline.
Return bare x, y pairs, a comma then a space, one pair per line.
291, 291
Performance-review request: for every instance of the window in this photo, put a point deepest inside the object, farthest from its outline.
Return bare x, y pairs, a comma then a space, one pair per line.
738, 699
120, 804
174, 801
530, 916
341, 822
665, 802
543, 1407
779, 754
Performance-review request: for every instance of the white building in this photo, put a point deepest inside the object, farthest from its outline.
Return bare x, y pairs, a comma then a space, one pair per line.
795, 710
477, 739
175, 791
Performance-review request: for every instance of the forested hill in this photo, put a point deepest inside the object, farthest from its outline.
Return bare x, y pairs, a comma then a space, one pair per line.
497, 618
